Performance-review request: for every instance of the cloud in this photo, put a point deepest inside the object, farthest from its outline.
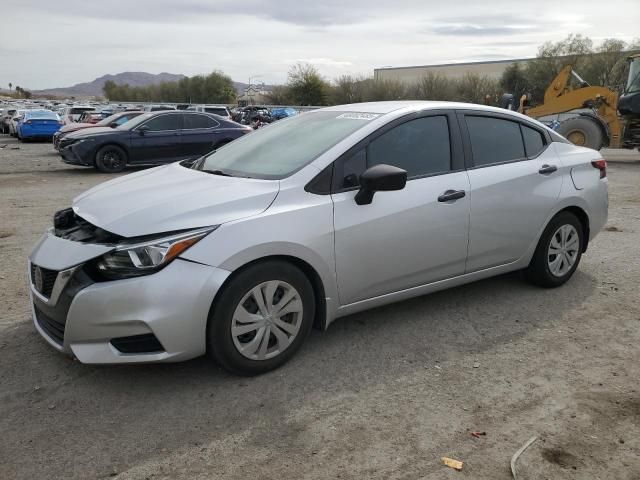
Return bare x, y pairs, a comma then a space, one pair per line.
317, 13
321, 61
244, 38
480, 26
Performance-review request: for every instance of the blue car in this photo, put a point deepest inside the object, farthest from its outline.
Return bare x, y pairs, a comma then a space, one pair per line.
283, 112
38, 124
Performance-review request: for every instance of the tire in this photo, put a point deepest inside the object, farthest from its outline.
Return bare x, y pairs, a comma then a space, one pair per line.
235, 353
111, 159
551, 270
582, 131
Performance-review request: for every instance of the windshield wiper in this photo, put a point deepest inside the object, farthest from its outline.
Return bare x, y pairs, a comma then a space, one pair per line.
217, 172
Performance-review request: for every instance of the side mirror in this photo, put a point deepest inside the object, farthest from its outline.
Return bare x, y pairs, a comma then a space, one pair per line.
379, 178
113, 124
142, 130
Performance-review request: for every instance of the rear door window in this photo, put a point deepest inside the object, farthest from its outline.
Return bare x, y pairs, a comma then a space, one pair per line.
194, 121
494, 140
163, 123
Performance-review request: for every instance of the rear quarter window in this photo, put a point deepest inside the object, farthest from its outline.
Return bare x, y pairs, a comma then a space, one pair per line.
533, 141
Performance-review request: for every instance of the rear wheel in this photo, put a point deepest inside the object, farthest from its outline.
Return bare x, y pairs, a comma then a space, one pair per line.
111, 159
261, 318
582, 131
558, 252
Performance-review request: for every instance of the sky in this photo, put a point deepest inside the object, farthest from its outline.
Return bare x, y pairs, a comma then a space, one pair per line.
57, 44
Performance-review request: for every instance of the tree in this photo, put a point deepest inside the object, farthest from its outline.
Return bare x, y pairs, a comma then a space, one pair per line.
552, 57
279, 95
514, 80
306, 85
474, 88
433, 86
608, 66
377, 90
10, 85
213, 88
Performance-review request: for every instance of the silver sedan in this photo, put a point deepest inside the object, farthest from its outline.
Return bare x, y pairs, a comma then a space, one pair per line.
240, 253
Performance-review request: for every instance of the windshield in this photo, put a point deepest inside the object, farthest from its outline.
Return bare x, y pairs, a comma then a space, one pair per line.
282, 148
131, 124
634, 76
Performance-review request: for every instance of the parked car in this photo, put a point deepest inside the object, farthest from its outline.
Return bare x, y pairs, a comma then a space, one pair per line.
13, 122
150, 139
279, 113
6, 115
38, 124
220, 110
113, 121
158, 108
316, 217
91, 117
72, 114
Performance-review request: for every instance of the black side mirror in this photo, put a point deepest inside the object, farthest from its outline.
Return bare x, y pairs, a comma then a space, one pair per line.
113, 124
143, 129
379, 178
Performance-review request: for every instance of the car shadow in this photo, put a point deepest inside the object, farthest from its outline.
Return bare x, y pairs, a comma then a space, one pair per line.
178, 405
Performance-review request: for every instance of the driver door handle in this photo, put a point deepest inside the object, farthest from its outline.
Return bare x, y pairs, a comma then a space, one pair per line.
546, 169
451, 195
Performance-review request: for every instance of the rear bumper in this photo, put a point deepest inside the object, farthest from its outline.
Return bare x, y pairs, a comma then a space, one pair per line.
27, 131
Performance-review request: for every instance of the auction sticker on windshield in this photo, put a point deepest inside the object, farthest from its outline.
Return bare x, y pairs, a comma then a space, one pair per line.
358, 116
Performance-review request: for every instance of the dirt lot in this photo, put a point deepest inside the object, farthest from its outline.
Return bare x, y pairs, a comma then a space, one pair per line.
382, 394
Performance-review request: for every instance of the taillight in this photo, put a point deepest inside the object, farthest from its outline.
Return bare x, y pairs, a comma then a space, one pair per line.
602, 166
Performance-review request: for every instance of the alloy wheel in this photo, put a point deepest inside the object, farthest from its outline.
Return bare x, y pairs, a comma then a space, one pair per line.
563, 250
112, 160
267, 320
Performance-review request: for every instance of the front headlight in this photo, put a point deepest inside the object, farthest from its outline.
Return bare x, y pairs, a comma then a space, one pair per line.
144, 258
81, 140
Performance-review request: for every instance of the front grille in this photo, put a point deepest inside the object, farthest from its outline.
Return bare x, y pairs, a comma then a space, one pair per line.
52, 327
48, 280
146, 343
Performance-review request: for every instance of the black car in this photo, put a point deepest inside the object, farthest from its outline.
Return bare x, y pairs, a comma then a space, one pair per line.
150, 139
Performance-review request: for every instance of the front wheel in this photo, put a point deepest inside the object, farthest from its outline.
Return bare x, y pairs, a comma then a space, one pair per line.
111, 159
558, 252
261, 318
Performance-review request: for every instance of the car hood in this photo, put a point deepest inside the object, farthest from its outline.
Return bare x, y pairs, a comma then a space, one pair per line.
170, 198
89, 132
75, 126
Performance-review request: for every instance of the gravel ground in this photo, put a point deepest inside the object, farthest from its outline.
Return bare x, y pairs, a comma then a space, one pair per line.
381, 394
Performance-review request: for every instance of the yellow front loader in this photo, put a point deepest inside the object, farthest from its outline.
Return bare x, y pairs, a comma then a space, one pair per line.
611, 122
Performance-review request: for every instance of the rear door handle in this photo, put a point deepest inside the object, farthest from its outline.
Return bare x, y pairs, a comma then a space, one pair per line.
547, 169
451, 195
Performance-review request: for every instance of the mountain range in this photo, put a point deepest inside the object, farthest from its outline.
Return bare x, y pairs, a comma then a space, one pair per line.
94, 88
135, 79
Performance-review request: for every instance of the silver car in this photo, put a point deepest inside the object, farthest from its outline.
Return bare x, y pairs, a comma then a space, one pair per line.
316, 217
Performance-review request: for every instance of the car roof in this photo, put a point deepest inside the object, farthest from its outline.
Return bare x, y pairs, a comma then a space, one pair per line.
420, 105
